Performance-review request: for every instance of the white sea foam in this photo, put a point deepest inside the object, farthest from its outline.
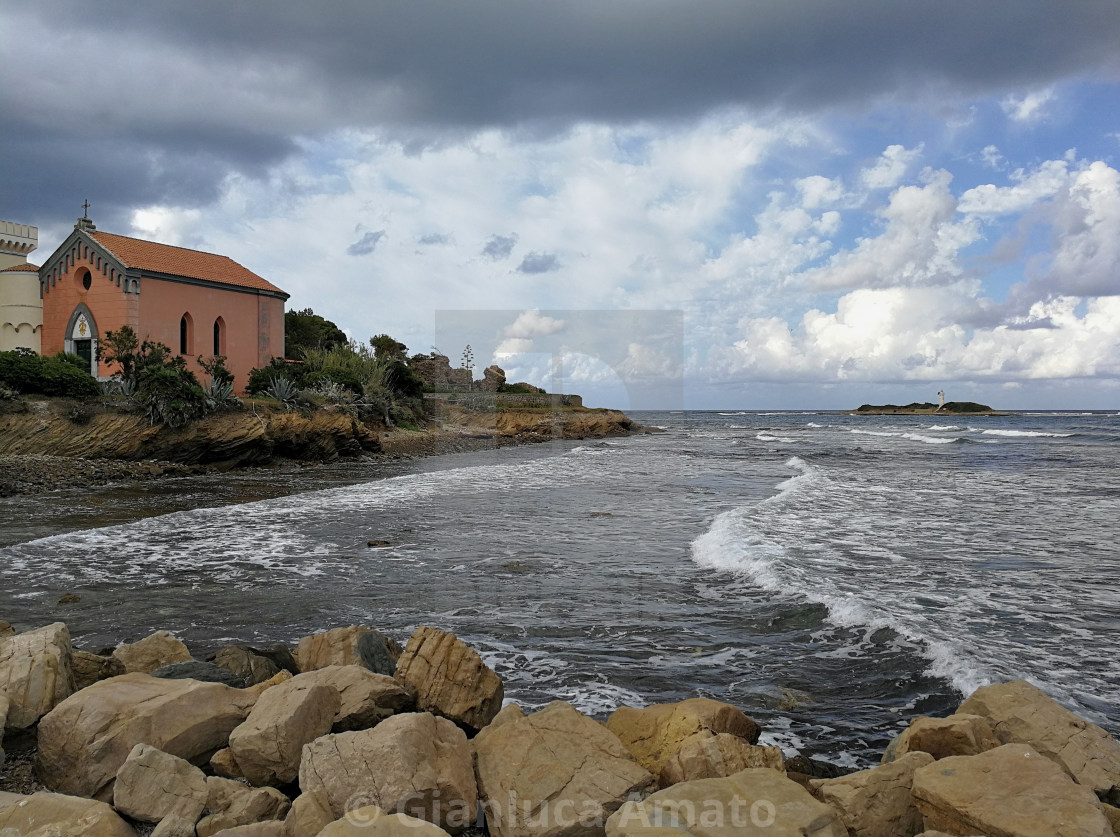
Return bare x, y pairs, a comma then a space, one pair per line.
813, 424
988, 431
944, 428
767, 437
872, 432
735, 543
929, 440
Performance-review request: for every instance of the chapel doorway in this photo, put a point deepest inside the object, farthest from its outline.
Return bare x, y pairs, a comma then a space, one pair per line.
84, 350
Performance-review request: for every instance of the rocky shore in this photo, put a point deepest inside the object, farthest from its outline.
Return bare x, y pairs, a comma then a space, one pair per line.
350, 734
43, 450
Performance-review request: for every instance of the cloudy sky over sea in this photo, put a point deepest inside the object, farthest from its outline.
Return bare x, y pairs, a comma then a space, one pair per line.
785, 204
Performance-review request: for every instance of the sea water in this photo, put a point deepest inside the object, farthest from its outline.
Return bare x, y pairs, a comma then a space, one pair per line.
832, 575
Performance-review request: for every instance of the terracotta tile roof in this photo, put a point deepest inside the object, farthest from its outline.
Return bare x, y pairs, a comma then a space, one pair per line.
194, 264
26, 267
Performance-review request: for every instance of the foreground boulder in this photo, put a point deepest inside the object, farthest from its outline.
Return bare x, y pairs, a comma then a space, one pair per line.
1010, 791
365, 698
231, 804
654, 734
92, 668
84, 741
1022, 714
758, 802
416, 764
371, 821
56, 815
155, 651
713, 756
555, 772
3, 719
347, 647
877, 802
35, 673
450, 679
152, 785
268, 745
957, 735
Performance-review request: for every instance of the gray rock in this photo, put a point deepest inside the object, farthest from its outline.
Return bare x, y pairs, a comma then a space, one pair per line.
281, 656
245, 663
203, 672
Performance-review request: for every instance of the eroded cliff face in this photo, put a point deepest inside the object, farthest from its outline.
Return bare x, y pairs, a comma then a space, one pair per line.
260, 433
246, 437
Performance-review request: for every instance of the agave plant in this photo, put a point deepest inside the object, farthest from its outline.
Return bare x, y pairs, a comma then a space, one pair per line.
282, 389
119, 386
219, 394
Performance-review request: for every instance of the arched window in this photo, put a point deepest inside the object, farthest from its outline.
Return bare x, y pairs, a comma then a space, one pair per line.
219, 336
186, 335
84, 279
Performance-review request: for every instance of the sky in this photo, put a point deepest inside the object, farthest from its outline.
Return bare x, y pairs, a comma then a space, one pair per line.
709, 204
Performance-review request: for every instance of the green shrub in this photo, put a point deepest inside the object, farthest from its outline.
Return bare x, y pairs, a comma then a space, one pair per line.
77, 361
24, 371
260, 378
171, 394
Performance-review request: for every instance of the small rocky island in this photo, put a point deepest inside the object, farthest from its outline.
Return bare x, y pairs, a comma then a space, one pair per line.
949, 408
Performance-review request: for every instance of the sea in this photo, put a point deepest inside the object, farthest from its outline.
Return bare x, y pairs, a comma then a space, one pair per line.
832, 575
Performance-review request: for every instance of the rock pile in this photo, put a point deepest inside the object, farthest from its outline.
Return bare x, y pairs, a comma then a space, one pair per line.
353, 736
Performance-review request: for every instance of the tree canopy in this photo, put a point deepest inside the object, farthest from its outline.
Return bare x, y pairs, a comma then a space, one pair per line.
307, 330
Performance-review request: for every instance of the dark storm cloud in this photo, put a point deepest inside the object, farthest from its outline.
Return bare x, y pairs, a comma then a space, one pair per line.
226, 86
366, 244
499, 246
539, 263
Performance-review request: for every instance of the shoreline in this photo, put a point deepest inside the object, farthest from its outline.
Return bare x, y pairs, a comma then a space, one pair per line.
363, 720
24, 474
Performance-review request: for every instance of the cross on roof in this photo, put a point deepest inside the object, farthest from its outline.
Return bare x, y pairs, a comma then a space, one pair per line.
85, 209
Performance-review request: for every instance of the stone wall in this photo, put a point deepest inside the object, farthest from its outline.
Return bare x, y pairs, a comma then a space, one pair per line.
489, 401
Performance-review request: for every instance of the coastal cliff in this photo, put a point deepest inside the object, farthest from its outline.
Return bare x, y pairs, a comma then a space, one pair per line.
50, 442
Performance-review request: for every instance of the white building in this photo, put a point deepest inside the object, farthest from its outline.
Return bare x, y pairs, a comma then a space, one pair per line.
21, 304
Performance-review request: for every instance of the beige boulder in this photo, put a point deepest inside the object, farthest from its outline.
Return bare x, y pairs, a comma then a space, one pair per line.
757, 802
84, 741
450, 678
225, 765
270, 828
1010, 791
876, 802
371, 821
92, 668
35, 673
708, 755
152, 785
6, 629
365, 698
1022, 714
353, 646
268, 745
1112, 814
414, 763
654, 734
56, 815
555, 772
957, 735
230, 804
310, 813
152, 652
